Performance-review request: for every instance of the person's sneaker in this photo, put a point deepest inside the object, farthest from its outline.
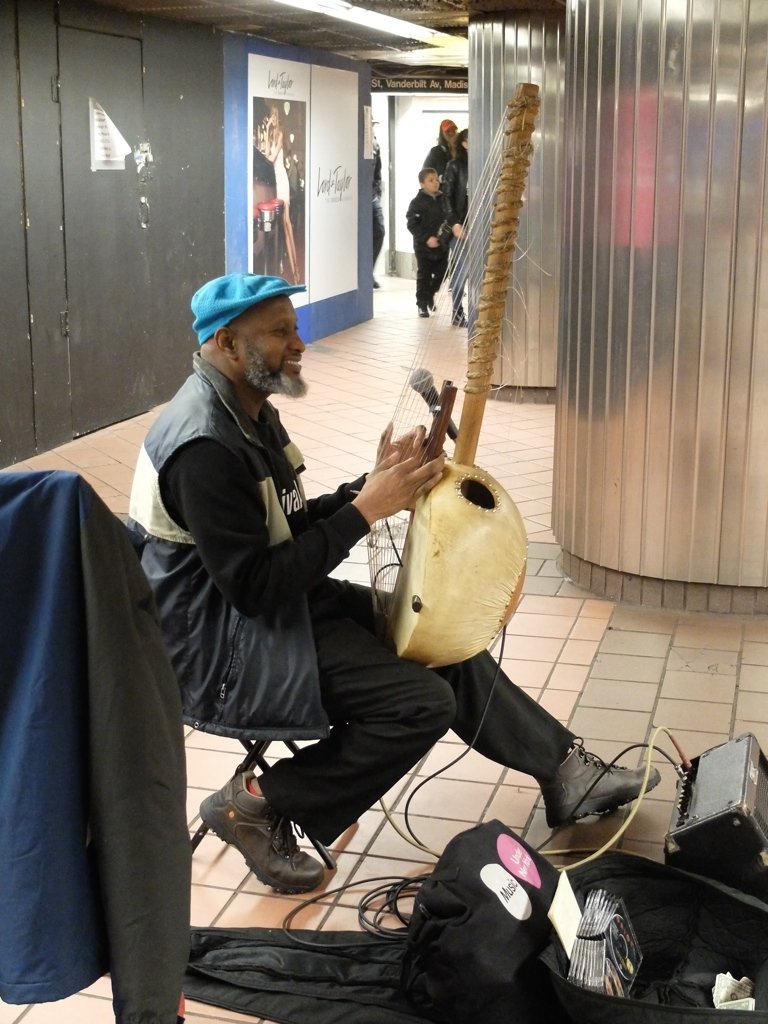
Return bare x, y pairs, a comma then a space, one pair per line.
263, 836
459, 320
584, 785
423, 311
376, 283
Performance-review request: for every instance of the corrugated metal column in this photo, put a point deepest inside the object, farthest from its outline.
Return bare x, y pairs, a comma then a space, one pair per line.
504, 50
661, 468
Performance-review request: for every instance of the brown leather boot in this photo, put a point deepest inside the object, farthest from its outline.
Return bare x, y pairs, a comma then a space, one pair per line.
263, 836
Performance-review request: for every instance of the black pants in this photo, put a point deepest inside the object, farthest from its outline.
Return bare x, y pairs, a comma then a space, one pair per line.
429, 276
459, 273
378, 228
386, 713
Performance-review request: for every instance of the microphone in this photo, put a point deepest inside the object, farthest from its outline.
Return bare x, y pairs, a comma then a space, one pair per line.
423, 383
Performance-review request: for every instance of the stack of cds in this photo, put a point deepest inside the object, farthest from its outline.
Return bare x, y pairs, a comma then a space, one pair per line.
606, 956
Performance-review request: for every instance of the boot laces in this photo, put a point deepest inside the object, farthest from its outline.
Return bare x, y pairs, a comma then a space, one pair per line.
283, 838
592, 760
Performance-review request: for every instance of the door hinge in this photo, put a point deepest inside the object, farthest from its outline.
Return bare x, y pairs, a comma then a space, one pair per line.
55, 86
64, 322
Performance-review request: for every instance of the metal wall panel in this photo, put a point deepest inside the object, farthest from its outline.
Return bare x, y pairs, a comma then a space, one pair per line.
507, 49
16, 426
662, 412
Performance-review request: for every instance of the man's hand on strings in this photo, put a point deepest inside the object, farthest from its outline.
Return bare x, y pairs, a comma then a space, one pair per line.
398, 477
390, 451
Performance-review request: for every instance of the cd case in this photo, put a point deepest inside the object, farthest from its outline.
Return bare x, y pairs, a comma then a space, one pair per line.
606, 955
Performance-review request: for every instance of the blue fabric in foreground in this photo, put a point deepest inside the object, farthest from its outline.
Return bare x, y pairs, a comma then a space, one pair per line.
52, 938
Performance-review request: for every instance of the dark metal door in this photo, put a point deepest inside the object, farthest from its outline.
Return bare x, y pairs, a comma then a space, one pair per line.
106, 226
16, 422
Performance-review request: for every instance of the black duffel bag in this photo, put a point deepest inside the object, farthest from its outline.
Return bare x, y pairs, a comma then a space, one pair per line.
689, 929
478, 924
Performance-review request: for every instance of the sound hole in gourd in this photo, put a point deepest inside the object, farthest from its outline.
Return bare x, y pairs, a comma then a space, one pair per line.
477, 493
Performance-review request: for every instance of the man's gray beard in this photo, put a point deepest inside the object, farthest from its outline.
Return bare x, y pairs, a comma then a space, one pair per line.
273, 382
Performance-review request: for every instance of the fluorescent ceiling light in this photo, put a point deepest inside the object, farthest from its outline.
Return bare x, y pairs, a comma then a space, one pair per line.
379, 22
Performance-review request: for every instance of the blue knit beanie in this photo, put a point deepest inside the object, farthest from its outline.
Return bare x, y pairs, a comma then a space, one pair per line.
221, 300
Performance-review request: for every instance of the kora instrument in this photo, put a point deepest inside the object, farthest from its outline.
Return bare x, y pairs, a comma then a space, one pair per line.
462, 566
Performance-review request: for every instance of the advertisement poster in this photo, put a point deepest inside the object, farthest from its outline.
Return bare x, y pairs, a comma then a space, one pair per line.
278, 119
334, 183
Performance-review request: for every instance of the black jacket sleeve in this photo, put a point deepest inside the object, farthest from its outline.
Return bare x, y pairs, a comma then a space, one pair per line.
415, 221
215, 496
451, 199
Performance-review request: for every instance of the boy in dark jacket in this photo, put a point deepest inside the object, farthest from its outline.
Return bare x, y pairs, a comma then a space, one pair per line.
424, 217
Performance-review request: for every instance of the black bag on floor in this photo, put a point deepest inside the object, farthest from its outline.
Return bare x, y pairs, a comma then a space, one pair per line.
307, 977
478, 924
689, 929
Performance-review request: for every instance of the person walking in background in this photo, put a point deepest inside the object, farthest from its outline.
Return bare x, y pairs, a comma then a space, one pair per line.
439, 155
377, 211
423, 218
455, 206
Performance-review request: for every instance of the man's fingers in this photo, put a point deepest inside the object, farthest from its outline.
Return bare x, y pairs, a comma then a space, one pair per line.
425, 477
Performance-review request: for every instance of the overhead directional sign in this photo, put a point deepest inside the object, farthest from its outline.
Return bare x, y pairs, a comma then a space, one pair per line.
433, 80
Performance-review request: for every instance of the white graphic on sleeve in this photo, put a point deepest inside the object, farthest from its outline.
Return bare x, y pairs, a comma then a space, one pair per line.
291, 500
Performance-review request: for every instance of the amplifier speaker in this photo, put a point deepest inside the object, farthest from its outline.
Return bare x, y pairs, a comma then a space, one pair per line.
719, 826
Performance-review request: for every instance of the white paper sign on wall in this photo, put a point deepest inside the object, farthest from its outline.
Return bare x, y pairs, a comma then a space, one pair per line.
108, 147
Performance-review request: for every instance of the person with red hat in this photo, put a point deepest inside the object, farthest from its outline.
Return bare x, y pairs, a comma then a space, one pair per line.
440, 154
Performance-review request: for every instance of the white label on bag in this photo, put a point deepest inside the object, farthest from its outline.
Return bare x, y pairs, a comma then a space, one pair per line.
510, 892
